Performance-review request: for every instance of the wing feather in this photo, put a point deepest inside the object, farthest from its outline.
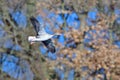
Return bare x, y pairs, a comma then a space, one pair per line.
37, 26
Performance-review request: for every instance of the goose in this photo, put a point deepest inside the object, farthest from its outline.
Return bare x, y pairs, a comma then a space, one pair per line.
42, 35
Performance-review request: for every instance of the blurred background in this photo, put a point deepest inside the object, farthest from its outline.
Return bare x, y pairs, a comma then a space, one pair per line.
87, 49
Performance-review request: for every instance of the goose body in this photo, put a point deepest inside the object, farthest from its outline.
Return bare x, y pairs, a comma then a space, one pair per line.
41, 35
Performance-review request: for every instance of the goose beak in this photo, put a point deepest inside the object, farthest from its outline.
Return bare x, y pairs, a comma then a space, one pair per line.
32, 43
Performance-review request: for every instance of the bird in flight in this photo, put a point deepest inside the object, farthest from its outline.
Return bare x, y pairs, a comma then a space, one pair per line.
41, 35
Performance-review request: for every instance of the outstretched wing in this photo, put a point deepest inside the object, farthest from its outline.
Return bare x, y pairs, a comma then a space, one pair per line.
39, 28
50, 45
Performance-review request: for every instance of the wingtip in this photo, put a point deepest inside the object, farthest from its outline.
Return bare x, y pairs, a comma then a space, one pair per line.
32, 18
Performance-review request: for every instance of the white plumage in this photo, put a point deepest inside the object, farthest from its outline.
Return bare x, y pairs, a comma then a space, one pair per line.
42, 35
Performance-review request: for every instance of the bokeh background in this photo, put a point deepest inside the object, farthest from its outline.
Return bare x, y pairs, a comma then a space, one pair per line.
87, 49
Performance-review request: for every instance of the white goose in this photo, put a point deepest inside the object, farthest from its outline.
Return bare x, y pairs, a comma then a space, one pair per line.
42, 35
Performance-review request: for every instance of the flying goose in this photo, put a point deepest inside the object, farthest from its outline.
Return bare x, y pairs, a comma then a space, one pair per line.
42, 35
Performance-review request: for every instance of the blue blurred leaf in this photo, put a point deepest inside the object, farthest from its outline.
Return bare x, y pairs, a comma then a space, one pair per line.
107, 10
86, 41
43, 50
16, 68
101, 71
1, 23
74, 55
49, 29
8, 44
92, 14
117, 43
40, 19
71, 75
61, 39
73, 20
17, 48
51, 15
60, 73
2, 33
118, 20
59, 19
1, 43
92, 17
117, 12
20, 19
52, 56
47, 26
108, 35
66, 28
